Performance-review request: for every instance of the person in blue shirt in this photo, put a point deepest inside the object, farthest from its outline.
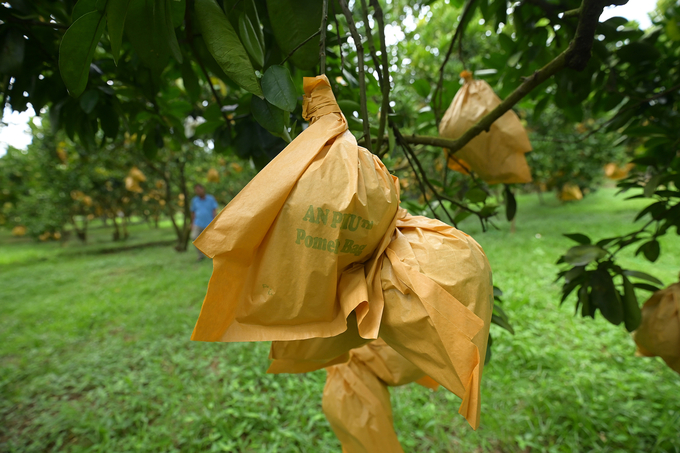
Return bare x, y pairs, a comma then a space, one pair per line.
203, 211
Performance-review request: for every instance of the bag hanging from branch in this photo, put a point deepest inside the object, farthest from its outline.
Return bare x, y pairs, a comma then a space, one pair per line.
356, 400
659, 332
570, 192
435, 304
293, 252
496, 156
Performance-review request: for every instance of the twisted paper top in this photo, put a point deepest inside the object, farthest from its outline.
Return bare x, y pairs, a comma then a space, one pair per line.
318, 99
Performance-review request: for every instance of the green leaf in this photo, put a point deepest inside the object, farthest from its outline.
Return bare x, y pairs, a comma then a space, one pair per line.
632, 316
12, 52
476, 195
422, 87
207, 128
581, 255
250, 39
501, 322
169, 29
348, 106
584, 299
177, 10
116, 10
150, 145
88, 101
278, 88
510, 204
145, 28
77, 49
605, 296
224, 45
269, 116
643, 276
651, 185
646, 287
86, 6
294, 21
190, 80
650, 249
514, 59
108, 119
578, 237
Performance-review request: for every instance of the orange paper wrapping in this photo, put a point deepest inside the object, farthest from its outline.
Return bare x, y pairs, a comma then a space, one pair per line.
659, 332
423, 286
497, 156
290, 250
436, 304
356, 400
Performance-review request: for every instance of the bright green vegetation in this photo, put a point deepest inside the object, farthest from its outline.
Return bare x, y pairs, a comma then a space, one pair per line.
95, 356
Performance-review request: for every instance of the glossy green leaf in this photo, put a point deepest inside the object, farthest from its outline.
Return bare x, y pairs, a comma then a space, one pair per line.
190, 80
207, 128
145, 28
250, 39
294, 21
269, 116
581, 255
650, 250
278, 88
422, 87
88, 101
77, 49
169, 29
578, 237
605, 297
632, 316
510, 204
643, 276
476, 195
177, 10
225, 46
86, 6
116, 11
12, 51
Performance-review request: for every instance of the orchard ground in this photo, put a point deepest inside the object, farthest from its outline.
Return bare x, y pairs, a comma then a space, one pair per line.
96, 355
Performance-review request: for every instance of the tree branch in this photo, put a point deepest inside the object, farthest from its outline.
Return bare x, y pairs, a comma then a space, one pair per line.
576, 57
437, 95
316, 33
362, 76
385, 85
322, 41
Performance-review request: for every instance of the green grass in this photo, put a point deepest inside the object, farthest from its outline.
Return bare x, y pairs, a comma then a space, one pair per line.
95, 356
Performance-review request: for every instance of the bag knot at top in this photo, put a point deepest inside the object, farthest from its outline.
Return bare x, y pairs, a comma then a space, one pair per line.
318, 99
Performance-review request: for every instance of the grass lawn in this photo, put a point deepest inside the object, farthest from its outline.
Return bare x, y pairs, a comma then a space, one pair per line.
95, 356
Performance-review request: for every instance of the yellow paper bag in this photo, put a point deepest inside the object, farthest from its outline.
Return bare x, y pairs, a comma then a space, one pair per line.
570, 192
435, 302
356, 401
659, 332
438, 297
615, 173
496, 156
293, 252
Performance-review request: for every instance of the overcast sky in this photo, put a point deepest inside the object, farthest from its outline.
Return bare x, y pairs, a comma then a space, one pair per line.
16, 133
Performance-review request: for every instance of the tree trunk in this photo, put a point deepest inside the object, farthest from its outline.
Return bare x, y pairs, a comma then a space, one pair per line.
116, 231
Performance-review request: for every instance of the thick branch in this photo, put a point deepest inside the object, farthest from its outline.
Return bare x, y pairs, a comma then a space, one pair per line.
362, 76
